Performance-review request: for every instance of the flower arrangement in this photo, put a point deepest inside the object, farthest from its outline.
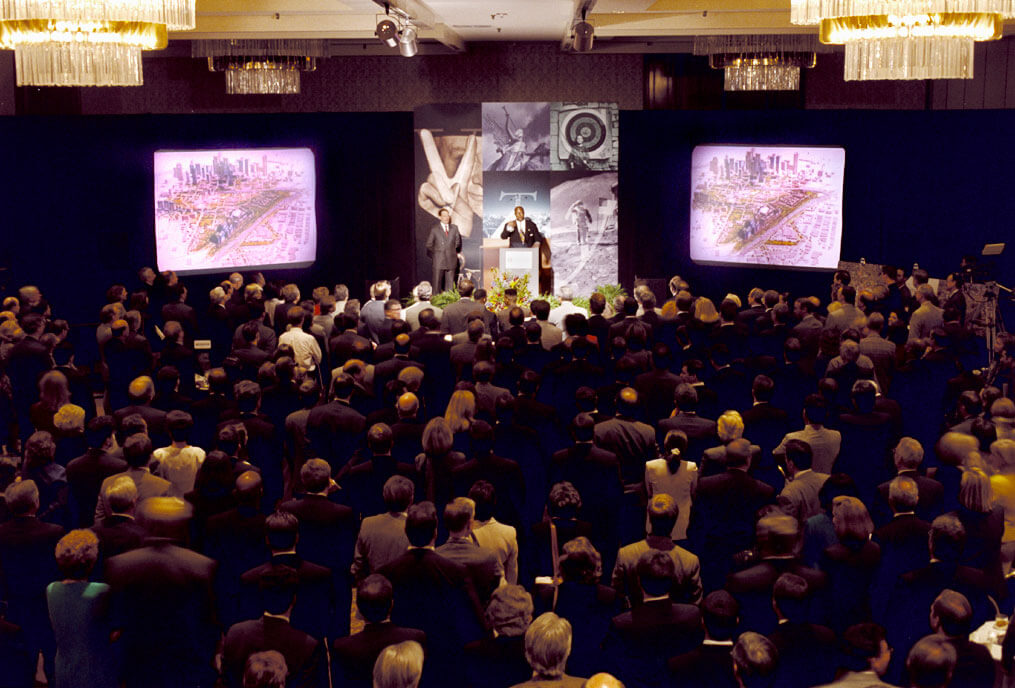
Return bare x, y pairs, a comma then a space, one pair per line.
495, 300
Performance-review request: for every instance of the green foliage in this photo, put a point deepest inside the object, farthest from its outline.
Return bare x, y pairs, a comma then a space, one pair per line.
445, 297
581, 302
553, 300
495, 294
610, 291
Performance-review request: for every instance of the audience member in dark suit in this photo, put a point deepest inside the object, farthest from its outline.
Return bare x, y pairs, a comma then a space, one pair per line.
595, 473
434, 594
137, 450
710, 665
208, 411
500, 660
908, 456
903, 540
700, 431
951, 619
28, 566
177, 309
851, 564
463, 548
280, 399
454, 319
382, 537
581, 600
463, 354
304, 655
808, 653
778, 540
314, 610
640, 641
264, 440
141, 392
867, 438
164, 593
906, 616
504, 474
723, 514
248, 358
119, 532
353, 657
27, 360
686, 578
334, 428
364, 481
327, 530
236, 540
656, 387
764, 423
866, 657
633, 442
561, 524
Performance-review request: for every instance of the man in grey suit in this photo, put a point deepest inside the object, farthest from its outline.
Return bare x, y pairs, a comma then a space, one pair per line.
443, 246
927, 316
382, 537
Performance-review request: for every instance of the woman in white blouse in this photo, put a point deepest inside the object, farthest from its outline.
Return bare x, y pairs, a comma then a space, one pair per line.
674, 476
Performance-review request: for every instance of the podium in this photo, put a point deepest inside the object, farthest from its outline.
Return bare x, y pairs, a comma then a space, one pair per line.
521, 261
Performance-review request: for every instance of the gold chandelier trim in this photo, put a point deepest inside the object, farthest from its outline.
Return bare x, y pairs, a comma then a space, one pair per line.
143, 35
976, 26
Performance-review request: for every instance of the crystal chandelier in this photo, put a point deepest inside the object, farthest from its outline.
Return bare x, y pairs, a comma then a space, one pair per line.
759, 63
87, 42
261, 66
905, 39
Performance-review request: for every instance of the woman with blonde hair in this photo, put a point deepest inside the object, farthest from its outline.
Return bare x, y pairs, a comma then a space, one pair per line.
983, 521
851, 563
1002, 456
460, 411
437, 461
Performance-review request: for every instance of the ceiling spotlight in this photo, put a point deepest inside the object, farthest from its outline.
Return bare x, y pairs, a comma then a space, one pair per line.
387, 31
407, 41
583, 34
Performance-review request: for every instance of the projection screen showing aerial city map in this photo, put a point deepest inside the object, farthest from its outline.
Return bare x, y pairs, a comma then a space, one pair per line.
218, 210
773, 206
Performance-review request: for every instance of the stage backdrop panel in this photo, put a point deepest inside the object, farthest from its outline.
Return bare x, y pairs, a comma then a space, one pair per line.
557, 161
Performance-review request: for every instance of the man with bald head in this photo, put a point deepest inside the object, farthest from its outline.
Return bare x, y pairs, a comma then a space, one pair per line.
169, 630
723, 514
632, 441
140, 392
407, 433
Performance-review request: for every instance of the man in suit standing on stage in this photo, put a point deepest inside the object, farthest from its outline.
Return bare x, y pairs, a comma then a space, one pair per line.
443, 246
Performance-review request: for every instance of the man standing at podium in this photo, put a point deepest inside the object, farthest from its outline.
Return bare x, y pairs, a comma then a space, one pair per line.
443, 246
523, 233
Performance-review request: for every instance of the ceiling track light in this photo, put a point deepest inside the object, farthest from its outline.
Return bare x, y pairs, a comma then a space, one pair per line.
387, 31
584, 33
407, 43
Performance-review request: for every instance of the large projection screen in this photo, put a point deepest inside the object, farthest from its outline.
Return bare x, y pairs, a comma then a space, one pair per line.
777, 206
221, 210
